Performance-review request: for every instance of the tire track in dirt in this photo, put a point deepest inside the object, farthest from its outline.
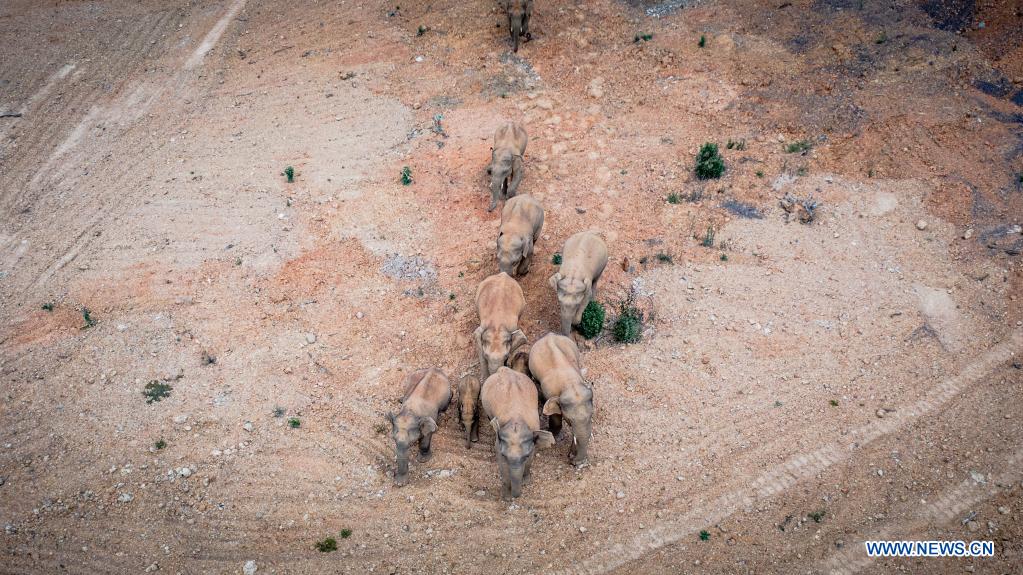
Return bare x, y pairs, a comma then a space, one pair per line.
796, 469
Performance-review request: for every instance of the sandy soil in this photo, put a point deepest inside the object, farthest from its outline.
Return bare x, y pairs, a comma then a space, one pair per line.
798, 389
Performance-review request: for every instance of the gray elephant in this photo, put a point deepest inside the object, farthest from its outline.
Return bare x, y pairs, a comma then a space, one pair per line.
583, 260
555, 361
519, 12
509, 399
427, 394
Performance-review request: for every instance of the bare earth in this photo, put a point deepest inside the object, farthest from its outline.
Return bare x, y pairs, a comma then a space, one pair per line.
798, 388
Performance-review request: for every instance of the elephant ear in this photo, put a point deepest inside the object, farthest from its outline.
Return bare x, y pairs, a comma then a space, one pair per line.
518, 339
527, 245
496, 425
555, 279
428, 425
552, 407
543, 438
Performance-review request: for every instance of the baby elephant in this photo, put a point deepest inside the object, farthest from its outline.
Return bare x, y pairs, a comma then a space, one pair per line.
506, 162
583, 259
509, 400
554, 360
521, 222
469, 409
499, 302
427, 394
519, 12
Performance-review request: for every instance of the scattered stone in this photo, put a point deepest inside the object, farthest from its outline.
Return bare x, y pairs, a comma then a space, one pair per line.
972, 526
978, 476
153, 567
921, 225
799, 208
1003, 510
184, 472
620, 495
181, 418
580, 210
881, 412
310, 338
968, 234
582, 530
247, 426
125, 497
359, 315
249, 568
595, 88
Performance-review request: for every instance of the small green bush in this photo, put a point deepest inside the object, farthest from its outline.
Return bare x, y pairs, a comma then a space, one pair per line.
160, 444
421, 30
628, 328
48, 306
289, 173
406, 176
724, 257
817, 516
592, 322
736, 145
664, 258
556, 259
294, 422
704, 535
327, 545
644, 36
709, 163
708, 240
799, 146
702, 42
834, 403
278, 411
155, 391
346, 533
760, 173
674, 198
87, 316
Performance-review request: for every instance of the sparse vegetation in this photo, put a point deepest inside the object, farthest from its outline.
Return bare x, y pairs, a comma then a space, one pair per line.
777, 403
556, 259
799, 146
327, 545
155, 391
379, 429
451, 297
628, 328
664, 258
592, 322
278, 411
834, 403
736, 145
702, 42
294, 422
160, 444
674, 198
48, 306
817, 516
708, 239
643, 36
289, 173
802, 208
346, 533
760, 173
881, 38
406, 176
704, 535
87, 317
724, 257
693, 196
421, 30
709, 163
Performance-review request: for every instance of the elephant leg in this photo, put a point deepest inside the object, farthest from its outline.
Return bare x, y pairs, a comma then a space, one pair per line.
474, 431
527, 467
525, 27
524, 264
554, 424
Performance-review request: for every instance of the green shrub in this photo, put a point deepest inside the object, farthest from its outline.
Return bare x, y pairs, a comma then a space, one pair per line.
294, 422
704, 535
160, 444
155, 391
644, 36
406, 176
327, 545
664, 258
799, 146
48, 306
592, 322
346, 533
289, 173
87, 316
708, 240
702, 42
674, 198
628, 328
556, 259
817, 516
709, 163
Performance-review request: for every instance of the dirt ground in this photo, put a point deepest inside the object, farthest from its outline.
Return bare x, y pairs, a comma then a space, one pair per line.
798, 389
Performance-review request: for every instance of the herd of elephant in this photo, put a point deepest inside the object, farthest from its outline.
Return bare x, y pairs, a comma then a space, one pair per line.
510, 369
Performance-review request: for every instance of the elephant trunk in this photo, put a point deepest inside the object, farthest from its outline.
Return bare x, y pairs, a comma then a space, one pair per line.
515, 473
401, 473
516, 30
581, 436
567, 317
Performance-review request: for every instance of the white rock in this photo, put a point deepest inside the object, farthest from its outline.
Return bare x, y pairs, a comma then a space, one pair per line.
184, 472
125, 497
359, 315
582, 530
247, 426
249, 568
921, 225
310, 338
180, 418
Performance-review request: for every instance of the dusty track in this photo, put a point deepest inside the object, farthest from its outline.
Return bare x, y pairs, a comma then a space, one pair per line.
858, 367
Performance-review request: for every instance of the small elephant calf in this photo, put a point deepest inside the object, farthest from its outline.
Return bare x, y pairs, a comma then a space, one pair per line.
427, 394
519, 13
509, 399
469, 409
506, 166
583, 260
555, 361
521, 223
